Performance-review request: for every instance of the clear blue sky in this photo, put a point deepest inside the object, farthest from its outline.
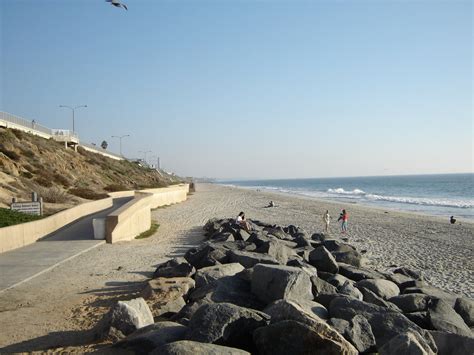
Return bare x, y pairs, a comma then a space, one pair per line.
255, 89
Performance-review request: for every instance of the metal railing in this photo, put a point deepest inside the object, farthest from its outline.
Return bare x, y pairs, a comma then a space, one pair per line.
99, 150
64, 133
33, 125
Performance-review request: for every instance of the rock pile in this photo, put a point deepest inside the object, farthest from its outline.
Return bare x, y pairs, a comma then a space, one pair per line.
281, 291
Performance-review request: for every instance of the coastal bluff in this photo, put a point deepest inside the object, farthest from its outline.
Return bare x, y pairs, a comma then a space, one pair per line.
280, 290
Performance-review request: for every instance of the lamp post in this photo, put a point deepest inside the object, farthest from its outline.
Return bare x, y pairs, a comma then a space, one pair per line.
145, 152
73, 109
120, 139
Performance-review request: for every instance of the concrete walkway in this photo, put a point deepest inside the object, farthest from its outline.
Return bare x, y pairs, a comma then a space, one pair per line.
23, 264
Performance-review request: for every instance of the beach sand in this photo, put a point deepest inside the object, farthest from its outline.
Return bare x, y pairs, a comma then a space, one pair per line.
58, 308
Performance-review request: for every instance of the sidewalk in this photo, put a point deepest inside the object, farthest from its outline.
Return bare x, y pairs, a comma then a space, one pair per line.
23, 264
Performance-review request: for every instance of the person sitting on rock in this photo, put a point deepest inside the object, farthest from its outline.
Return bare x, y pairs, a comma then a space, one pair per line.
242, 222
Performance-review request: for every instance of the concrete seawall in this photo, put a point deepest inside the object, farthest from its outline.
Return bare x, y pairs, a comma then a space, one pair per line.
125, 223
23, 234
134, 217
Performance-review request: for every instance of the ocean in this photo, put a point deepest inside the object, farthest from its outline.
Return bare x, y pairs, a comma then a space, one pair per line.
440, 195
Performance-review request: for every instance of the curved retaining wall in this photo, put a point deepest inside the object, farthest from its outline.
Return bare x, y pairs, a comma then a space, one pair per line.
26, 233
134, 217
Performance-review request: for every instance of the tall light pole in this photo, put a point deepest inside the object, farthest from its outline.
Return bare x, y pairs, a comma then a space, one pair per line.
73, 109
145, 152
120, 138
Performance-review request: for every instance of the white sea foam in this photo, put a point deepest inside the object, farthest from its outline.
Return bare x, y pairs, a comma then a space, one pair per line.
357, 193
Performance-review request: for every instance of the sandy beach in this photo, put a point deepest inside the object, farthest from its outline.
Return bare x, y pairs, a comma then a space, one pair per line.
58, 308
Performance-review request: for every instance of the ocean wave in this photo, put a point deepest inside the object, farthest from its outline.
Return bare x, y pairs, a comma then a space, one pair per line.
357, 193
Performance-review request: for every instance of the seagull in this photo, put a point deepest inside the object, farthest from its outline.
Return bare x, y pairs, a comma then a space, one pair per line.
117, 3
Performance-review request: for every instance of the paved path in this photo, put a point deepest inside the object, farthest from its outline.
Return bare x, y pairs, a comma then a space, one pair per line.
22, 264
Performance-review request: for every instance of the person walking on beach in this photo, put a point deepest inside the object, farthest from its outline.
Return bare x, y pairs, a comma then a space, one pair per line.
326, 219
344, 217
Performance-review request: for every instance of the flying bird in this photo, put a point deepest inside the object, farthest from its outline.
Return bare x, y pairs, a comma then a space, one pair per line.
117, 3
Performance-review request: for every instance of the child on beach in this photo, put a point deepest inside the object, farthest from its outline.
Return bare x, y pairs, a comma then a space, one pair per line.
344, 217
326, 219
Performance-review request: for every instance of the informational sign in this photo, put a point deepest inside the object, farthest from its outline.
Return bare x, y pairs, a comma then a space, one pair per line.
27, 207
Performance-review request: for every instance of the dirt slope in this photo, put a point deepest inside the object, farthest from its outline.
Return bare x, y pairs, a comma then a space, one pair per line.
64, 177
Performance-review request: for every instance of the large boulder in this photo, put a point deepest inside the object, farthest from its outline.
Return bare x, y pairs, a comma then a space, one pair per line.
123, 319
207, 254
210, 274
348, 289
320, 286
450, 343
144, 340
276, 250
382, 288
250, 259
307, 312
292, 337
358, 274
414, 274
370, 297
406, 343
177, 267
226, 324
337, 280
465, 308
273, 282
385, 324
323, 260
187, 347
433, 292
412, 302
167, 295
357, 331
351, 257
444, 318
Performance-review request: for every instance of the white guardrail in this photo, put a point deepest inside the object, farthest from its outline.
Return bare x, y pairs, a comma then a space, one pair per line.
58, 134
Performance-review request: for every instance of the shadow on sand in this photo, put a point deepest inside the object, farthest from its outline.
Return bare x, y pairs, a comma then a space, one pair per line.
106, 296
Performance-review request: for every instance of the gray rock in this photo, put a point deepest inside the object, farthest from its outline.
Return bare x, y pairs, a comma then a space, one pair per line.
276, 250
123, 319
301, 240
318, 237
225, 324
307, 312
177, 267
465, 308
358, 274
434, 292
337, 280
352, 257
399, 279
407, 343
273, 282
250, 259
223, 237
207, 254
412, 302
420, 319
187, 347
323, 260
409, 272
382, 288
334, 245
371, 297
210, 274
279, 233
444, 318
348, 289
385, 323
320, 286
450, 344
292, 337
167, 295
357, 331
150, 337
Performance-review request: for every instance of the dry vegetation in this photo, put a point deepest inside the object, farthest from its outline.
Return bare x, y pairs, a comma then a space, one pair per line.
64, 177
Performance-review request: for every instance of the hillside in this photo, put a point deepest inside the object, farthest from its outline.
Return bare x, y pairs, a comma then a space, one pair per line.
62, 176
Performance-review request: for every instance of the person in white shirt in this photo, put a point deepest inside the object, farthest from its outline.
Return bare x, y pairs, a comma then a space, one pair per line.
327, 220
240, 220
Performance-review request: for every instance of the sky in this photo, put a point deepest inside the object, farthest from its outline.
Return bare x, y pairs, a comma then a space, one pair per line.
251, 89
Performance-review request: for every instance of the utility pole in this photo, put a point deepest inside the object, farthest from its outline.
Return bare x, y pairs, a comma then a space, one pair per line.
73, 109
120, 139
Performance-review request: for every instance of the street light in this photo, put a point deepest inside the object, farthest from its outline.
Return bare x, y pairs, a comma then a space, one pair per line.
145, 152
73, 109
120, 138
